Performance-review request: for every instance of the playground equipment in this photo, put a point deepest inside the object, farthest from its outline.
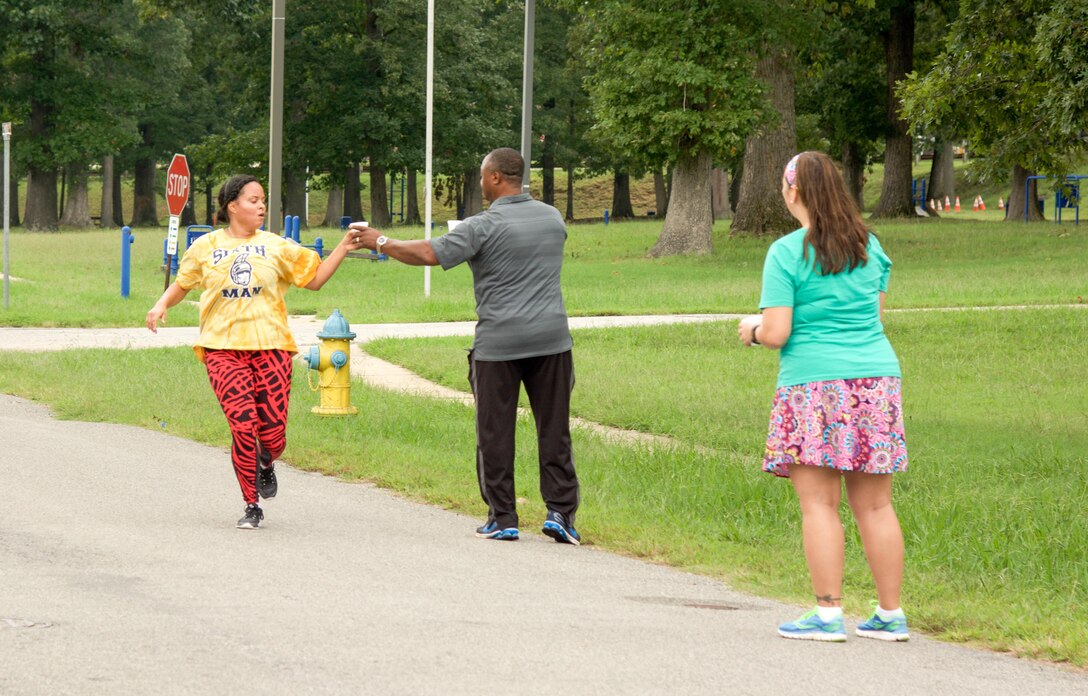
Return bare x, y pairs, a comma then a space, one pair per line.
1067, 196
918, 196
393, 212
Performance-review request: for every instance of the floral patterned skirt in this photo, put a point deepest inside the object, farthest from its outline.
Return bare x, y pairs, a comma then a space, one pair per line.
844, 424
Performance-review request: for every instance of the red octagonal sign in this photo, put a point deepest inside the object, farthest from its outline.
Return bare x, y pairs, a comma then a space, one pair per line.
177, 184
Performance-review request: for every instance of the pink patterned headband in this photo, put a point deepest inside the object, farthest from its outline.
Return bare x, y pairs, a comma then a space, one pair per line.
791, 171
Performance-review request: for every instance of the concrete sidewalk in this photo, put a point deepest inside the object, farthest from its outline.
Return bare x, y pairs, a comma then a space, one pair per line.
121, 573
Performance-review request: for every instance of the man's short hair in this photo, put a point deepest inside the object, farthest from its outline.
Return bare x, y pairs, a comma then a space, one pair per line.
508, 162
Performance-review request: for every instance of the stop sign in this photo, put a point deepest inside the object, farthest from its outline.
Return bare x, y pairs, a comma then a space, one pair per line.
177, 184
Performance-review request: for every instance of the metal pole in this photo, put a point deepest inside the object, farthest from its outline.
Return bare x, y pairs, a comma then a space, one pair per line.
7, 208
527, 92
275, 130
428, 193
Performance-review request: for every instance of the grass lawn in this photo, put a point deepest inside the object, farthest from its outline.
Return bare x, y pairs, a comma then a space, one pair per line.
72, 279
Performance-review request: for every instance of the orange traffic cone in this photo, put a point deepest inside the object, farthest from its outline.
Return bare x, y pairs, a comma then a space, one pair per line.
974, 206
947, 203
957, 204
932, 205
1000, 203
981, 203
939, 208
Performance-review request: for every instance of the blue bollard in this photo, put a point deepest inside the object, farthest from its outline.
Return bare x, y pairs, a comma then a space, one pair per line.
287, 227
126, 259
606, 216
344, 222
297, 226
319, 247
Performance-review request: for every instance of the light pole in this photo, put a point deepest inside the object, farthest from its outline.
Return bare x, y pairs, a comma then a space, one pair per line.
428, 191
527, 92
275, 125
7, 206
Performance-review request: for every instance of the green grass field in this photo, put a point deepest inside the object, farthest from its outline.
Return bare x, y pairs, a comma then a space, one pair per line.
73, 279
992, 509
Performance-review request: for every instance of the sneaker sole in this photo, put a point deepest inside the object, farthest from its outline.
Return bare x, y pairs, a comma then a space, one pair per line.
822, 637
884, 635
501, 535
559, 534
246, 526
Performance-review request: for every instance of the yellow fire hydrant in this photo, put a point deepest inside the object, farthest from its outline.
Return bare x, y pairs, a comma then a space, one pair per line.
332, 362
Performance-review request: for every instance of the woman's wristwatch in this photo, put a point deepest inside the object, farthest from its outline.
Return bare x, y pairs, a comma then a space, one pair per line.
755, 341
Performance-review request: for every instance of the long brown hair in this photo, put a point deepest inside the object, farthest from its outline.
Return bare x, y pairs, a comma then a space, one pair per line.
836, 230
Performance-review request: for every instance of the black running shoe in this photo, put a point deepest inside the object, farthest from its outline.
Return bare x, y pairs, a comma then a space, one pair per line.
266, 474
252, 518
559, 528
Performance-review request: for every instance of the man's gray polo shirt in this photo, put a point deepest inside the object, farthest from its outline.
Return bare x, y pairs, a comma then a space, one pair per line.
515, 251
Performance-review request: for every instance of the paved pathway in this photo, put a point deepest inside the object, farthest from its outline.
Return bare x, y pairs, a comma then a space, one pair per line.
121, 573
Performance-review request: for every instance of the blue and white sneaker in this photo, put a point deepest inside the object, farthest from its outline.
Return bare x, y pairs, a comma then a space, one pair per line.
491, 530
894, 629
812, 627
557, 527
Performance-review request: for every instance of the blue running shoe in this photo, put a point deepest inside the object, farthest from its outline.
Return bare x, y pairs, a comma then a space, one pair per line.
557, 527
894, 629
491, 531
812, 627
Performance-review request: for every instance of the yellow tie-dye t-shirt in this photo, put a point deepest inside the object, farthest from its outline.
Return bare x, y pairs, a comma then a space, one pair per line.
242, 306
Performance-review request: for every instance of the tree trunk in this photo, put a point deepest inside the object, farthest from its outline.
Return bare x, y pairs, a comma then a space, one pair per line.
63, 183
13, 203
547, 167
41, 187
621, 196
412, 214
719, 194
661, 197
118, 203
853, 173
760, 208
353, 201
209, 204
570, 191
188, 213
106, 209
473, 199
942, 178
895, 199
1014, 207
690, 219
379, 198
77, 213
294, 186
41, 200
143, 196
334, 207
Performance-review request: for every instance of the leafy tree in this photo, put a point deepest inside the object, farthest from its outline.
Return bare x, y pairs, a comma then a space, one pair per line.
672, 82
53, 56
999, 81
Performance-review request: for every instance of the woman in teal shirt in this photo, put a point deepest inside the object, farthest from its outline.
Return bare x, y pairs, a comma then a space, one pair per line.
837, 411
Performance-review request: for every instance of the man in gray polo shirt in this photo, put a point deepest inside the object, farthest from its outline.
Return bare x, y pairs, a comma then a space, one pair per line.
515, 251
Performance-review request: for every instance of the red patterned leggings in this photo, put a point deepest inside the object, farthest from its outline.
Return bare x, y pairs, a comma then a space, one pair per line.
254, 388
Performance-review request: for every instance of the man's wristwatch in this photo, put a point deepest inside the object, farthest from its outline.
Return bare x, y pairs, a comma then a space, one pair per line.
379, 242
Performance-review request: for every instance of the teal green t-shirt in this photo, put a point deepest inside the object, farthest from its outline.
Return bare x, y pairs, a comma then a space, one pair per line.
837, 332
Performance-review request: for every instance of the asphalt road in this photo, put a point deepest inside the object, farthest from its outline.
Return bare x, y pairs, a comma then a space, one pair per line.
121, 572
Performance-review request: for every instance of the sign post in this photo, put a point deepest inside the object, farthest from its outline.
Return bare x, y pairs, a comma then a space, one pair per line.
177, 195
